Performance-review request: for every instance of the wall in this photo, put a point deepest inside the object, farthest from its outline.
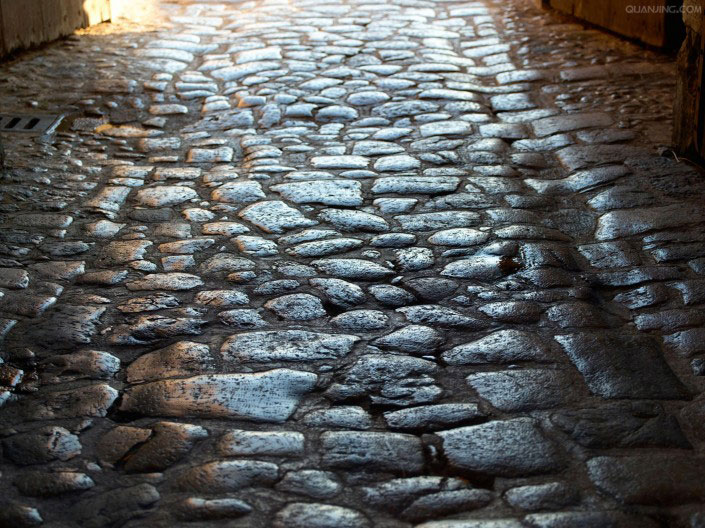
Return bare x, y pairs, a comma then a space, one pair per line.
28, 23
652, 28
689, 110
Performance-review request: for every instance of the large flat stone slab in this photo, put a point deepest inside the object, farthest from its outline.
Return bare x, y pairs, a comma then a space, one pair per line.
622, 366
506, 448
353, 450
668, 478
327, 192
628, 222
275, 216
180, 359
502, 346
287, 345
566, 123
584, 156
270, 396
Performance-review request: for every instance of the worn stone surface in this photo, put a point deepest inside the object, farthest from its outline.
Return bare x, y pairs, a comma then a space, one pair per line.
508, 448
223, 395
287, 345
349, 264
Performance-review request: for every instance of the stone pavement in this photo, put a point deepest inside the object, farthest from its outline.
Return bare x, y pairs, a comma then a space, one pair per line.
346, 264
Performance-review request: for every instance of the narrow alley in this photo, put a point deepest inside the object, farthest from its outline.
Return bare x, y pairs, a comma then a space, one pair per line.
349, 264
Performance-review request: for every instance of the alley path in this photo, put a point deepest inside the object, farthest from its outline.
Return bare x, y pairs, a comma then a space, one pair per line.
350, 264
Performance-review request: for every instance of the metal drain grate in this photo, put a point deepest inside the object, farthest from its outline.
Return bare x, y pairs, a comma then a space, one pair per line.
29, 124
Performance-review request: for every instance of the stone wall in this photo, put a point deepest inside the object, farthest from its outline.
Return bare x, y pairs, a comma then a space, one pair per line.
28, 23
689, 111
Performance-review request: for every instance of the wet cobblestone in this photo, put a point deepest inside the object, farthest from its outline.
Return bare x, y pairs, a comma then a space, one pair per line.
349, 264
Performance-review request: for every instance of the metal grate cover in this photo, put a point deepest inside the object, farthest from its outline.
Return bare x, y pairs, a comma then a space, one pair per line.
29, 124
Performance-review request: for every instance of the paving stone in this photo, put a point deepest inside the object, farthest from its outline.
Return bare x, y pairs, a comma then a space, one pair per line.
580, 157
431, 289
686, 342
311, 515
512, 311
297, 307
331, 192
180, 359
412, 339
552, 125
186, 247
393, 452
68, 326
446, 503
42, 445
550, 496
400, 162
224, 228
352, 269
166, 281
349, 220
37, 484
228, 476
647, 479
433, 417
621, 197
87, 401
526, 389
629, 424
609, 255
445, 128
622, 366
576, 314
195, 508
414, 259
223, 395
361, 320
459, 237
226, 262
416, 185
407, 202
149, 303
393, 296
579, 181
623, 223
287, 345
436, 221
117, 443
376, 148
341, 417
242, 318
440, 316
87, 364
340, 162
15, 514
310, 483
339, 292
13, 278
168, 444
238, 192
27, 305
399, 381
275, 217
601, 518
165, 195
262, 443
117, 506
508, 448
394, 495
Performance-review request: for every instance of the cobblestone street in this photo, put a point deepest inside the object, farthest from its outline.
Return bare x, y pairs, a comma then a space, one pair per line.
350, 264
